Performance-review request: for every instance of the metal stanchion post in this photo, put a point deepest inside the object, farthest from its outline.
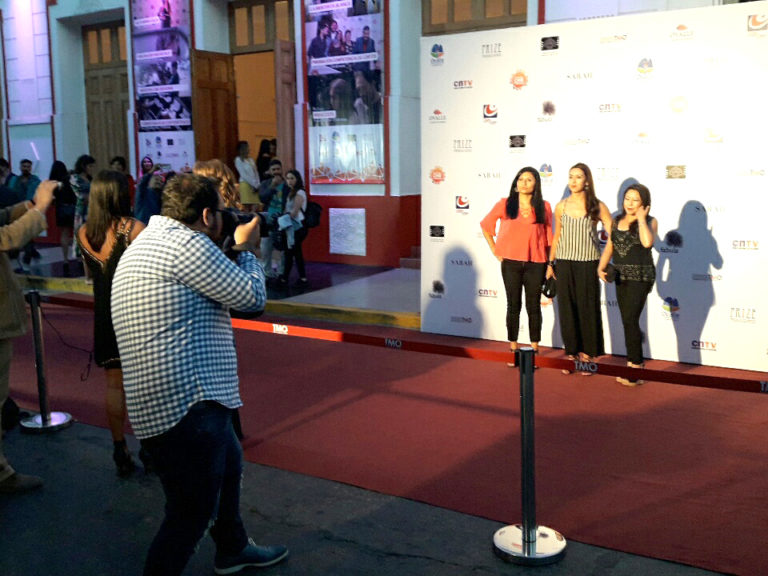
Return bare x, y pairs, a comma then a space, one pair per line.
46, 421
528, 543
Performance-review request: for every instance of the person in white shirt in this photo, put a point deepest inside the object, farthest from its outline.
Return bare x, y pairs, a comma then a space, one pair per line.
249, 177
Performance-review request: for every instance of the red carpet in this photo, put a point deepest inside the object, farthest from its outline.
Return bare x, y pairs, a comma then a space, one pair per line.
661, 470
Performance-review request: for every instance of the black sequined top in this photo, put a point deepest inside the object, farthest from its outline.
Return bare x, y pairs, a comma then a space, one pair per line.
632, 260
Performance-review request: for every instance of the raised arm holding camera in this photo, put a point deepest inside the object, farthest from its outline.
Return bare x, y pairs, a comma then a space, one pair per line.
172, 294
19, 224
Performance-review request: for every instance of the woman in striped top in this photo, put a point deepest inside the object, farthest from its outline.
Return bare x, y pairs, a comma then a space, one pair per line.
576, 250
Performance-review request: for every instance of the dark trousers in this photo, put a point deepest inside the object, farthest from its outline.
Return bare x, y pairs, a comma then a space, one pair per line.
516, 275
295, 253
578, 304
200, 463
631, 296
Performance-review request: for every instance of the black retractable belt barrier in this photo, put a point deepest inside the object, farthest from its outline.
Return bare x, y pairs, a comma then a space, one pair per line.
46, 421
528, 543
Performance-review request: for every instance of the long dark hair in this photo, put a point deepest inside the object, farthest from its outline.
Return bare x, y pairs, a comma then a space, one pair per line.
110, 201
645, 198
82, 162
60, 173
592, 204
299, 182
537, 201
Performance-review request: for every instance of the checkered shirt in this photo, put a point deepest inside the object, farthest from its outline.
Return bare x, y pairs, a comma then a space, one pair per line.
171, 296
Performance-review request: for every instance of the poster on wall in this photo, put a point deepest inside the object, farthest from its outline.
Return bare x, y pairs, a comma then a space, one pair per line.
644, 98
163, 88
344, 51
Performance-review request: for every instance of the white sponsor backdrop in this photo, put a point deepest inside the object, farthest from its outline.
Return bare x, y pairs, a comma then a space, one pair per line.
675, 100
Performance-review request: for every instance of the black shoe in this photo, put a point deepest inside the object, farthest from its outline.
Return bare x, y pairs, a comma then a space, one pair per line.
122, 457
35, 254
18, 483
251, 555
27, 259
302, 283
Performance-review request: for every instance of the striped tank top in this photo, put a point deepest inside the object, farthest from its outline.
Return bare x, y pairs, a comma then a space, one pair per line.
578, 239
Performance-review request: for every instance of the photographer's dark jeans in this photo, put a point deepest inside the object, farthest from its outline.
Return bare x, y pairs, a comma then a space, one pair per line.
516, 275
200, 463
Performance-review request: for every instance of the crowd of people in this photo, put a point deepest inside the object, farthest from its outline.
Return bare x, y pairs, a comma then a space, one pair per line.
518, 230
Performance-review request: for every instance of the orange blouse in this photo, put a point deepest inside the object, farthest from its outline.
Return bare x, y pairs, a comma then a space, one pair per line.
519, 239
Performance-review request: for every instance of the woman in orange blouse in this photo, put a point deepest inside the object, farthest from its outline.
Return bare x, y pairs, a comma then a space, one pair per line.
521, 245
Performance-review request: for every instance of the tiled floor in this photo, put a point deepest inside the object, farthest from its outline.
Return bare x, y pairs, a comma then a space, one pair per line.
338, 285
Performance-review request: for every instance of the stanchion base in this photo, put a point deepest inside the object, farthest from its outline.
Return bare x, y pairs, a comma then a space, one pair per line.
35, 424
548, 548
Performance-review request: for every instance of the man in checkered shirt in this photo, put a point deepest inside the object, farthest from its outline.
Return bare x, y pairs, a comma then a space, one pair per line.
171, 298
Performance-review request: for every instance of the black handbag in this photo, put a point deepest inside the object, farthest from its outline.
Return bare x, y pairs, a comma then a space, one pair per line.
549, 289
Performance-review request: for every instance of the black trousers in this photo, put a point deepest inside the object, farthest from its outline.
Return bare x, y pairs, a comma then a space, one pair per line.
295, 253
631, 295
516, 275
578, 303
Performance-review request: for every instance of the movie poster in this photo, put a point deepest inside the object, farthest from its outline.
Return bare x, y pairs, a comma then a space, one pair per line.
345, 85
161, 62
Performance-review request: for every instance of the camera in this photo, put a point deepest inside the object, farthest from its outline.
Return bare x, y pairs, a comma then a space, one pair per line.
234, 218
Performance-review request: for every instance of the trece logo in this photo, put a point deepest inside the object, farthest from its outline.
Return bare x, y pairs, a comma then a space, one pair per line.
744, 315
492, 50
462, 203
462, 145
490, 112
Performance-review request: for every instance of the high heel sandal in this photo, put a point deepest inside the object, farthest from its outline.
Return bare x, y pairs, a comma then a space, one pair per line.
513, 363
628, 382
122, 457
564, 371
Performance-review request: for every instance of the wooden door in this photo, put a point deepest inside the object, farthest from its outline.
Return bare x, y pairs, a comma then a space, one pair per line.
106, 91
214, 109
285, 100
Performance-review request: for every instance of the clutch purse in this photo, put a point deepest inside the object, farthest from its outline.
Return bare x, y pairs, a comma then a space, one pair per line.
549, 289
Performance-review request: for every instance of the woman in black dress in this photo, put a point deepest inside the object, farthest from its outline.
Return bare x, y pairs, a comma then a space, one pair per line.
102, 241
632, 236
65, 208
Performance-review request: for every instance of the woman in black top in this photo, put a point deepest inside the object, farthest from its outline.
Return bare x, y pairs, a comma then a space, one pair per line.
65, 208
102, 241
632, 236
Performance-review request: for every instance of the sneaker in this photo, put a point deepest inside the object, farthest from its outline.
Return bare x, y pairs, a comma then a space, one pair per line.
17, 483
252, 555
